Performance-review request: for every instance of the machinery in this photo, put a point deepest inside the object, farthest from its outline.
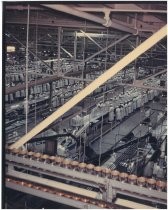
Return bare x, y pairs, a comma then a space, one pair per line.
85, 105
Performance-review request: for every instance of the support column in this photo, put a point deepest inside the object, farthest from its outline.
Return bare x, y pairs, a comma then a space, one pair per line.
136, 67
51, 95
75, 45
59, 49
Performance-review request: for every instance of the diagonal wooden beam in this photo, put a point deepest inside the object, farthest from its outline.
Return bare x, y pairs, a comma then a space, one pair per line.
143, 47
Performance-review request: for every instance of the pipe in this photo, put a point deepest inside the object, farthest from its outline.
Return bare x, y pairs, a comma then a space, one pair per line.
94, 18
143, 47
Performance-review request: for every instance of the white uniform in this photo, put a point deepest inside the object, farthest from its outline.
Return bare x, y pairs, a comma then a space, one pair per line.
21, 77
156, 92
48, 87
35, 90
139, 101
122, 112
11, 96
149, 95
17, 94
13, 78
16, 77
118, 114
24, 104
152, 94
129, 107
134, 104
111, 113
44, 88
41, 89
126, 109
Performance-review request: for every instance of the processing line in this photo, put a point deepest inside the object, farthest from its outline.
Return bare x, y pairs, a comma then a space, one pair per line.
87, 185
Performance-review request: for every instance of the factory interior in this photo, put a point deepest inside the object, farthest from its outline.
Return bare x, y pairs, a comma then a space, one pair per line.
85, 105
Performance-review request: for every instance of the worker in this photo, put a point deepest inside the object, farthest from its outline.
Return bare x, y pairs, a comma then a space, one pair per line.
48, 87
129, 107
17, 94
26, 105
139, 99
30, 96
126, 109
44, 88
118, 114
16, 77
150, 95
21, 77
134, 104
11, 97
111, 113
156, 93
122, 111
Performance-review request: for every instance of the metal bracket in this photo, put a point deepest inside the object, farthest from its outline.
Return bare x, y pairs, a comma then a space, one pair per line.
110, 193
107, 18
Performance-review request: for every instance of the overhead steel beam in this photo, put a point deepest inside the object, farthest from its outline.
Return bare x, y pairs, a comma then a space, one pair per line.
32, 84
106, 48
87, 16
143, 47
77, 79
103, 9
43, 81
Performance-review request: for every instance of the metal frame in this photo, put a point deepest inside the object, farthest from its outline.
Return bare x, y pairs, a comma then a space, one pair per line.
52, 197
54, 184
94, 18
104, 9
106, 48
112, 187
143, 47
